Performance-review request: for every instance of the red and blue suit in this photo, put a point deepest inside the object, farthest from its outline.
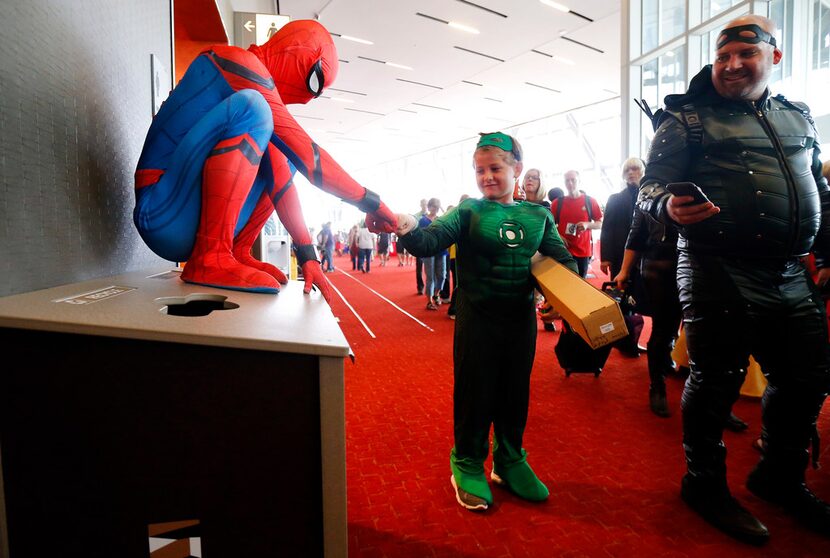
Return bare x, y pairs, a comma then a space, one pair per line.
220, 157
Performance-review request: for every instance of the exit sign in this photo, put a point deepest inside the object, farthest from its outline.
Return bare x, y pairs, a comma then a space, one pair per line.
251, 28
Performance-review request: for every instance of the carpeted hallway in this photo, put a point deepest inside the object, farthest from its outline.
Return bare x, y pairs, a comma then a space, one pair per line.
612, 467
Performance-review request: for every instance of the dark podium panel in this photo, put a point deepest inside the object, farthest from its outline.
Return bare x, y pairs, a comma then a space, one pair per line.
105, 438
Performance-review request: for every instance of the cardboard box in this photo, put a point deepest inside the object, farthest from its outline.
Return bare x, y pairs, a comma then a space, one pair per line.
594, 315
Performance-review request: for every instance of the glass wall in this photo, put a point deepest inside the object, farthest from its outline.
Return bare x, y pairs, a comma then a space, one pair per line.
821, 34
781, 12
675, 39
662, 20
711, 8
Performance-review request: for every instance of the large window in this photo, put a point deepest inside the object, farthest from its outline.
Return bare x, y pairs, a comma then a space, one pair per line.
672, 19
821, 34
651, 31
662, 20
670, 50
711, 8
672, 72
781, 12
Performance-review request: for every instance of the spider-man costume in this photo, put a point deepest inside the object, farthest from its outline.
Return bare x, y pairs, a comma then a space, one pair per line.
221, 153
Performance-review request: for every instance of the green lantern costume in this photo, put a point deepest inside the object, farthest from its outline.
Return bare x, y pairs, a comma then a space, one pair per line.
495, 333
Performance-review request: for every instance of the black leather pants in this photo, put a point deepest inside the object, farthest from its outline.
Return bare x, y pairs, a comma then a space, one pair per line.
772, 310
660, 282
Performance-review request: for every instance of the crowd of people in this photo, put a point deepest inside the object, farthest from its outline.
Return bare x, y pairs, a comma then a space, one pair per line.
725, 229
717, 226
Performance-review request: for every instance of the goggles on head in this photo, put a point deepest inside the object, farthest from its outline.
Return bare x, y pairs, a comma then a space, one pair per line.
315, 79
500, 140
739, 33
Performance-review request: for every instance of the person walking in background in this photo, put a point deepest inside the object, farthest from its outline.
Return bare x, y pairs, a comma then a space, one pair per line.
419, 265
327, 245
576, 215
403, 255
433, 265
495, 330
653, 245
742, 283
365, 246
383, 247
616, 222
352, 242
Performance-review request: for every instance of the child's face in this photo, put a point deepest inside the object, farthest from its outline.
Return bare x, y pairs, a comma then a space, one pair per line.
494, 175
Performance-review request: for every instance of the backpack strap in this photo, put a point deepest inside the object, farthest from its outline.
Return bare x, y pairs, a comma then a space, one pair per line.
588, 208
693, 125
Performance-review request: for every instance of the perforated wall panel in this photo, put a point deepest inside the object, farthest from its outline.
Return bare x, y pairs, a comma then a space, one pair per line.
75, 105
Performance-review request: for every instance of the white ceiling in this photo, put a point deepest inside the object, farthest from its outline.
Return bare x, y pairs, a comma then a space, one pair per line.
387, 118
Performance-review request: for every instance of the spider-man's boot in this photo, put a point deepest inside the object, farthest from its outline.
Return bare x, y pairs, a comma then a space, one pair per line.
245, 239
227, 177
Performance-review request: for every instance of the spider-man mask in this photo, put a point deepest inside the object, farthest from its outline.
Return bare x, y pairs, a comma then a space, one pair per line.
301, 58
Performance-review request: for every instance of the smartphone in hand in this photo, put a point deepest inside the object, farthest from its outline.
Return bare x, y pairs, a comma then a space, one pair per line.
687, 189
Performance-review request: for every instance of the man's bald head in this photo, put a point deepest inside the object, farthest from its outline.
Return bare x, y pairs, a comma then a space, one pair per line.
750, 29
764, 23
744, 58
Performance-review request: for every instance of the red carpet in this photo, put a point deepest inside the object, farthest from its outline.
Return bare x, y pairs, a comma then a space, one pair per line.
612, 467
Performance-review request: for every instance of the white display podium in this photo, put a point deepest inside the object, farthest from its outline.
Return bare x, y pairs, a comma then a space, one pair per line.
122, 416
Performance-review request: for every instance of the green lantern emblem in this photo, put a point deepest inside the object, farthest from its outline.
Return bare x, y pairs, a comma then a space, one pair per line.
511, 234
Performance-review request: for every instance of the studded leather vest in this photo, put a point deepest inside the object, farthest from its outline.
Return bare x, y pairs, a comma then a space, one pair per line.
755, 161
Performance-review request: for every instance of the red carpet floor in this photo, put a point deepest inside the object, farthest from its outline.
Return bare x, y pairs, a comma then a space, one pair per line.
613, 468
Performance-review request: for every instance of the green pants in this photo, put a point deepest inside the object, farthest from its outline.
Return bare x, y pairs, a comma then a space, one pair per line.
493, 357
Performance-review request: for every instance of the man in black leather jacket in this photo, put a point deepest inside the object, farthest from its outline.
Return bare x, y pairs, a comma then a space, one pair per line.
617, 218
654, 244
742, 284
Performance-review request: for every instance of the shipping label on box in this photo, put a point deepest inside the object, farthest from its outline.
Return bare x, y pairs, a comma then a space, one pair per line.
594, 315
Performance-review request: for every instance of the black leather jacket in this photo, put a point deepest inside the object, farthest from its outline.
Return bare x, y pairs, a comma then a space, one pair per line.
758, 162
616, 221
653, 239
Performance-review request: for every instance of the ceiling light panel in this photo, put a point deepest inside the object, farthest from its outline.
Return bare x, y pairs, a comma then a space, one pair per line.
482, 8
386, 62
400, 38
479, 53
454, 24
352, 39
556, 5
565, 9
419, 83
463, 27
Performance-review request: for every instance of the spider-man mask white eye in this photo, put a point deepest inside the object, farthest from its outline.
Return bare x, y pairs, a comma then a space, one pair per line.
316, 80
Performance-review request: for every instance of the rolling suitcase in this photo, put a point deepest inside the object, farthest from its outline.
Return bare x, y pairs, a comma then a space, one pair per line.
575, 355
634, 322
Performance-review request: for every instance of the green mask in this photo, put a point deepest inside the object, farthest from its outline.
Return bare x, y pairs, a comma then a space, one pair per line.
496, 139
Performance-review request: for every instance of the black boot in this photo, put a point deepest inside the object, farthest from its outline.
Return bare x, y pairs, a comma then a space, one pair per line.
788, 433
794, 496
657, 401
713, 502
735, 424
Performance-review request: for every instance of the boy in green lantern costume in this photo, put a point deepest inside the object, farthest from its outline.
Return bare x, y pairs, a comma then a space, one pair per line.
495, 326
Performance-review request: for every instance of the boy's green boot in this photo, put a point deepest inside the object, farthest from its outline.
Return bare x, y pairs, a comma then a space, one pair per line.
470, 483
520, 479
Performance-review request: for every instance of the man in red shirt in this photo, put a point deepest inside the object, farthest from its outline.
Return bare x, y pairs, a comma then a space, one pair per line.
577, 216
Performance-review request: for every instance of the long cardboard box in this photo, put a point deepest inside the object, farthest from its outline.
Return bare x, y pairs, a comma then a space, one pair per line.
594, 315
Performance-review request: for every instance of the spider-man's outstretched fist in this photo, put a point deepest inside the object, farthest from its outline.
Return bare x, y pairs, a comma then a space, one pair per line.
381, 220
221, 153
